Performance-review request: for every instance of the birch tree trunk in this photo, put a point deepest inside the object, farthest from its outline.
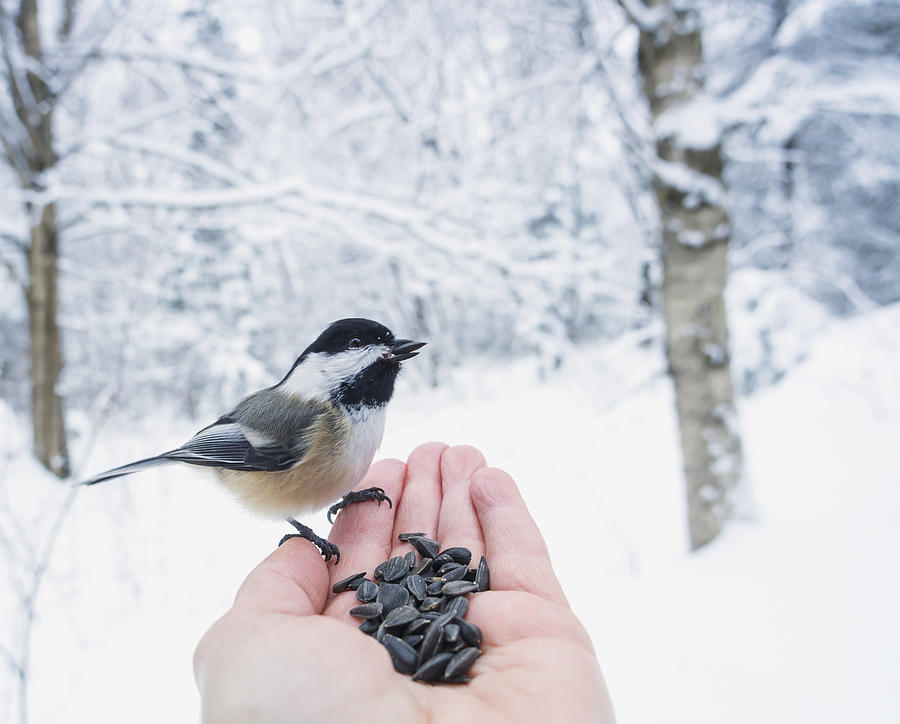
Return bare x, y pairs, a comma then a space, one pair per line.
46, 357
695, 236
30, 151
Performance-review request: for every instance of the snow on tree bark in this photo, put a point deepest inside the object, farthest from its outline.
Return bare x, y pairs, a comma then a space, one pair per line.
695, 235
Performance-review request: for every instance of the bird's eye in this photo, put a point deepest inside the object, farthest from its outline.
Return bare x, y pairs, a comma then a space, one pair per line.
354, 343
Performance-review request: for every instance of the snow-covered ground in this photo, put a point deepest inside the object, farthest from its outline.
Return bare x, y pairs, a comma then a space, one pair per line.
791, 616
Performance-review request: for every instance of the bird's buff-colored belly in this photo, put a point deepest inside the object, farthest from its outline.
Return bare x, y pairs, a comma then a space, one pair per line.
318, 481
290, 493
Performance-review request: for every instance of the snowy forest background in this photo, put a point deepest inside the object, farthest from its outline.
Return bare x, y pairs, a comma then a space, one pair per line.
191, 190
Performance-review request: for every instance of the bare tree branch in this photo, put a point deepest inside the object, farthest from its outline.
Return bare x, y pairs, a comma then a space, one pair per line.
18, 88
68, 20
11, 660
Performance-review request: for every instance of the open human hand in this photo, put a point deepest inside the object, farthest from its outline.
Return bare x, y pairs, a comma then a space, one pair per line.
288, 651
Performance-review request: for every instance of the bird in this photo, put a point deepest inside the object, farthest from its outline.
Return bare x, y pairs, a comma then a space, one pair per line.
295, 447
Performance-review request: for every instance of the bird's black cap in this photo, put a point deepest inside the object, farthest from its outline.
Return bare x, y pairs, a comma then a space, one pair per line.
338, 335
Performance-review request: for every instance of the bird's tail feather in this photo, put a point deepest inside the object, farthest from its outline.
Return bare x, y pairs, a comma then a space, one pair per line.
127, 469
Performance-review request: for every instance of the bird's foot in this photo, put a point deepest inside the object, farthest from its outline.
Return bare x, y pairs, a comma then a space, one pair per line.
358, 496
327, 548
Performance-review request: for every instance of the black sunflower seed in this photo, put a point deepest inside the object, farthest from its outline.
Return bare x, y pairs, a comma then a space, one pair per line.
451, 633
344, 584
403, 656
461, 662
381, 633
454, 574
442, 560
367, 610
413, 639
458, 554
401, 616
431, 643
434, 588
410, 559
470, 575
458, 588
417, 626
367, 591
469, 632
454, 680
427, 548
378, 573
455, 646
396, 568
416, 586
424, 568
458, 604
445, 618
430, 604
483, 575
369, 626
403, 537
432, 668
448, 567
392, 595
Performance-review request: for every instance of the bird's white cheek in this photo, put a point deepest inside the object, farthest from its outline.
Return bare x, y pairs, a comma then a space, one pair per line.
319, 374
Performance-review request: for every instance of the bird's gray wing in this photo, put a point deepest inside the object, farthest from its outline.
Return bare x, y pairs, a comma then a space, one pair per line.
236, 441
228, 444
224, 444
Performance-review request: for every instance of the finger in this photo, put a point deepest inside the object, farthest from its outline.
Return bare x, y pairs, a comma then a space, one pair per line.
363, 531
418, 510
506, 616
292, 579
458, 524
516, 551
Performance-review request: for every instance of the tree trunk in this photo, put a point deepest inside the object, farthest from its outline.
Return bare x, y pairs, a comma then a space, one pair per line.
695, 235
46, 358
34, 109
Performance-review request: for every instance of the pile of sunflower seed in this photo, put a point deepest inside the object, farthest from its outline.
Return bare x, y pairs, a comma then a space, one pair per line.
416, 608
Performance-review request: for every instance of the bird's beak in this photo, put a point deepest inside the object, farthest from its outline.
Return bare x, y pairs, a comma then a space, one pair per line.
402, 349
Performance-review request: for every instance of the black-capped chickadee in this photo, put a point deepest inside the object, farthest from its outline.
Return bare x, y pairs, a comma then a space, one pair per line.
295, 447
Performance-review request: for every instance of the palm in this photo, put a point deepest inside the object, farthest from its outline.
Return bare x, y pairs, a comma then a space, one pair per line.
289, 651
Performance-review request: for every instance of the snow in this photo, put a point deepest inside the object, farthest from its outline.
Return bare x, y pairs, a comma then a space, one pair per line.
485, 176
692, 238
646, 18
695, 124
807, 18
682, 177
789, 617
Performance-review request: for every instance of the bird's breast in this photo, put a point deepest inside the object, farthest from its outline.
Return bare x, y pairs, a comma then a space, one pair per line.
365, 432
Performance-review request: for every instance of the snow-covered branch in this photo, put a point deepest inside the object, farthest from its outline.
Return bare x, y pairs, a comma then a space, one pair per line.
646, 19
691, 183
125, 123
180, 155
236, 70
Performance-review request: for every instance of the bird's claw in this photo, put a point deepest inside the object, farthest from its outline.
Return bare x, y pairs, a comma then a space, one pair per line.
329, 549
326, 547
358, 496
